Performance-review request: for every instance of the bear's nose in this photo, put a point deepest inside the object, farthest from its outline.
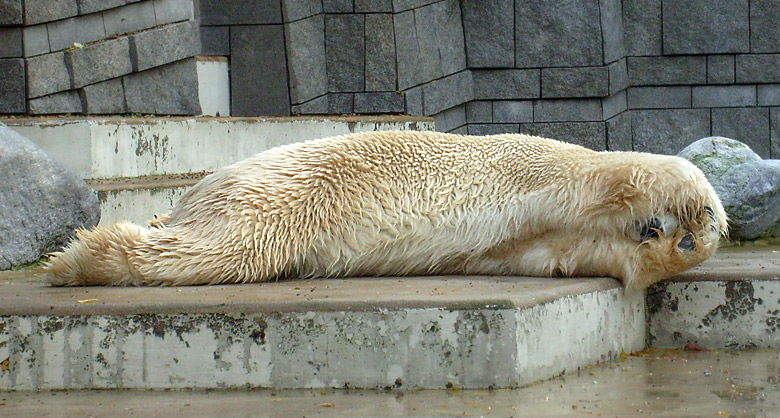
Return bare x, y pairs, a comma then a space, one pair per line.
686, 243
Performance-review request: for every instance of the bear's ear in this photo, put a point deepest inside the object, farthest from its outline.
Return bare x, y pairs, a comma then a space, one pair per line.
616, 189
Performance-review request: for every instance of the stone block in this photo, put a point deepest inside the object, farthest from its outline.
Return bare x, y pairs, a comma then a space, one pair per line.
463, 130
57, 103
764, 30
92, 6
40, 11
642, 21
12, 82
724, 96
758, 68
42, 205
344, 51
373, 6
166, 44
618, 76
654, 71
659, 97
506, 84
410, 62
293, 10
447, 92
774, 117
47, 74
619, 133
80, 29
493, 128
240, 12
747, 125
130, 18
667, 131
384, 102
10, 42
613, 105
10, 12
768, 94
215, 40
104, 98
706, 26
612, 29
592, 135
341, 103
337, 6
258, 75
720, 69
567, 110
479, 112
575, 82
306, 58
167, 90
100, 61
401, 5
36, 40
450, 119
557, 33
414, 101
506, 111
170, 11
316, 106
380, 53
488, 27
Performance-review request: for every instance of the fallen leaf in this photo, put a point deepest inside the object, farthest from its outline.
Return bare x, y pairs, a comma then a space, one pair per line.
86, 300
5, 365
276, 399
327, 404
723, 414
693, 347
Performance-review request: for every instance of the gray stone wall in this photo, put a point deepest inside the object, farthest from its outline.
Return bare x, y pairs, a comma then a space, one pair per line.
98, 57
647, 75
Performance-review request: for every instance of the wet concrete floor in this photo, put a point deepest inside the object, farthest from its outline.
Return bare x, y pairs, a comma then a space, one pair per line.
653, 382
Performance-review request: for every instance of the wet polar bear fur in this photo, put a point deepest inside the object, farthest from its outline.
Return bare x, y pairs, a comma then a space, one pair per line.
416, 203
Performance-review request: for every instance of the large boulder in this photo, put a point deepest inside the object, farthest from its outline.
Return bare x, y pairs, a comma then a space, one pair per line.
748, 186
41, 202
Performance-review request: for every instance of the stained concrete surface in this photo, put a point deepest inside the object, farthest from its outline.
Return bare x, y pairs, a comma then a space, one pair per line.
653, 382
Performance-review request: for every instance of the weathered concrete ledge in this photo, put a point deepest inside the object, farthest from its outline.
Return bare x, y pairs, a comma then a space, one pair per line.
730, 301
470, 332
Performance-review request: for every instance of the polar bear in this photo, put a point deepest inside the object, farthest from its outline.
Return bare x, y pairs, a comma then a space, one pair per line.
416, 203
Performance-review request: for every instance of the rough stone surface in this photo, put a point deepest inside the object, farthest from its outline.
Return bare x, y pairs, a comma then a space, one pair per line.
506, 84
168, 90
451, 119
36, 40
748, 186
380, 53
414, 101
652, 71
12, 82
341, 103
479, 112
385, 102
774, 116
720, 69
373, 6
768, 95
344, 51
750, 125
613, 105
619, 133
41, 203
306, 58
667, 131
724, 96
689, 26
557, 33
215, 40
92, 6
612, 29
337, 6
447, 92
10, 42
618, 76
567, 110
575, 82
489, 30
81, 29
48, 10
506, 111
100, 61
130, 18
167, 44
591, 135
764, 30
11, 12
758, 68
643, 21
296, 9
105, 98
259, 76
316, 106
493, 128
659, 97
169, 11
57, 103
47, 74
240, 12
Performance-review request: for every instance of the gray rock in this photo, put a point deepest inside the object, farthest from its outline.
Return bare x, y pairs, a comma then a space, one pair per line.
764, 30
306, 58
748, 186
642, 25
10, 42
758, 68
749, 124
344, 52
720, 69
10, 12
688, 26
259, 75
41, 203
489, 33
575, 82
666, 131
12, 83
591, 135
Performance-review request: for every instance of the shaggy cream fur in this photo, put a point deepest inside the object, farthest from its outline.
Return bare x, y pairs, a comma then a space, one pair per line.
416, 203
